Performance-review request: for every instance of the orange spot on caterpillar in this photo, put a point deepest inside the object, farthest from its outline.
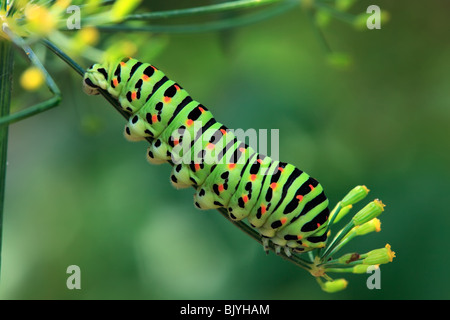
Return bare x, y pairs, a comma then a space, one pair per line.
220, 188
311, 187
281, 169
259, 161
245, 198
115, 82
263, 209
175, 142
211, 146
299, 197
133, 95
223, 131
197, 166
283, 220
273, 185
167, 99
299, 237
145, 77
232, 166
154, 68
122, 64
177, 87
253, 177
189, 122
201, 109
318, 225
154, 118
242, 150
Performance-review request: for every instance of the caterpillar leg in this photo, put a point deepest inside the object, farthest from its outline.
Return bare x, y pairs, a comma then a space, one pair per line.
181, 177
265, 243
287, 251
131, 135
207, 200
158, 152
277, 249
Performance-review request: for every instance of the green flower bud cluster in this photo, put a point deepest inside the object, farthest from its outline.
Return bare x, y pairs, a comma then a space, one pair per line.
364, 222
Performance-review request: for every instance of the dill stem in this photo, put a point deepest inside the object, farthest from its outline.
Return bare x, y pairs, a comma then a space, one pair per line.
6, 68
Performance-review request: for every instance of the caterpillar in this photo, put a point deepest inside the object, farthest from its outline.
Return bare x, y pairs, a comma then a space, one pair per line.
284, 204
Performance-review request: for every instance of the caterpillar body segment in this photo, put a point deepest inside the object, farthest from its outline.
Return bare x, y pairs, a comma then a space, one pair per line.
285, 204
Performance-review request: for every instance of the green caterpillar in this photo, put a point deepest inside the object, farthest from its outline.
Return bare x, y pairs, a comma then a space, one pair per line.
285, 204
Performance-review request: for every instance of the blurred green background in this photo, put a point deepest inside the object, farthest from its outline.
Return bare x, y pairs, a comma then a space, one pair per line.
79, 193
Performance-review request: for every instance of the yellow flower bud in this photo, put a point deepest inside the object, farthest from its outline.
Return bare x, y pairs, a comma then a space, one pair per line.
342, 213
39, 19
63, 4
362, 268
32, 79
379, 256
356, 194
121, 8
335, 285
89, 35
370, 226
370, 211
349, 257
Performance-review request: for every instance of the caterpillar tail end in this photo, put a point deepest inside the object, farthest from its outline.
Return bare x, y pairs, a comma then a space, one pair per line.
90, 88
95, 79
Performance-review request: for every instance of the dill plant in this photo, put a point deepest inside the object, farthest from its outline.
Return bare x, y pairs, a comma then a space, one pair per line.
25, 24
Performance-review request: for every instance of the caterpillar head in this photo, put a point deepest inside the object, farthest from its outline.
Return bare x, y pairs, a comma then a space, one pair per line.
95, 78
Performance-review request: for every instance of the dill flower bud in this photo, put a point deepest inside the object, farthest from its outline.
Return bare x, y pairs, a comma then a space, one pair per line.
89, 35
343, 5
369, 226
356, 194
39, 19
121, 8
365, 228
323, 18
379, 256
362, 268
370, 211
63, 4
349, 257
342, 213
335, 285
32, 79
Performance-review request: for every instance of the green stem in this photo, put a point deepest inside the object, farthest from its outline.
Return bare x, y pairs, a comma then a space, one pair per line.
335, 263
337, 239
209, 26
6, 68
221, 7
63, 56
40, 107
323, 40
339, 270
